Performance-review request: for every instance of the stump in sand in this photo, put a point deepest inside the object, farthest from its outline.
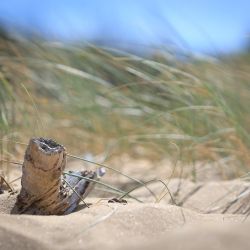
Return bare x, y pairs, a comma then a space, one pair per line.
44, 190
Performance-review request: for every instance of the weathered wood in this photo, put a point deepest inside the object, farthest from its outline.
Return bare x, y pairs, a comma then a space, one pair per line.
43, 191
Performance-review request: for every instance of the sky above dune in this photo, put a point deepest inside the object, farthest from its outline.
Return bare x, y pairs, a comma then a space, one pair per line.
211, 26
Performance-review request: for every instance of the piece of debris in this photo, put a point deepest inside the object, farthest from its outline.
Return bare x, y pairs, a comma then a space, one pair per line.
116, 200
4, 185
46, 190
1, 184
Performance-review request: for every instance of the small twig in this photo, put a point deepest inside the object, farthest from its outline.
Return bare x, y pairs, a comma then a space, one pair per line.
15, 180
17, 142
13, 162
7, 184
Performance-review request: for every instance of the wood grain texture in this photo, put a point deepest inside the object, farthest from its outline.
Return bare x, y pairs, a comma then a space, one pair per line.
44, 191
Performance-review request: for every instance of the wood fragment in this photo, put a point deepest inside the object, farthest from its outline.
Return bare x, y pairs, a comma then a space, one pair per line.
43, 190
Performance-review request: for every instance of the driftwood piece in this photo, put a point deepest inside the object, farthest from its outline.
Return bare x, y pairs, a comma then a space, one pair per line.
44, 190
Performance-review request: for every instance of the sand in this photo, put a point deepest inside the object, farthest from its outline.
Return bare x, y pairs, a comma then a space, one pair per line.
136, 225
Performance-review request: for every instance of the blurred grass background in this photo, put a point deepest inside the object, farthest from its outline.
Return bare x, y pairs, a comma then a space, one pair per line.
103, 101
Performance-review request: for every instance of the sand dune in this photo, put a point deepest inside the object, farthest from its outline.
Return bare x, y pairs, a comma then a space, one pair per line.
132, 226
117, 226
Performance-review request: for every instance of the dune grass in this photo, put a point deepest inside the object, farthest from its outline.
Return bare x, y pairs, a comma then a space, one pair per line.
105, 101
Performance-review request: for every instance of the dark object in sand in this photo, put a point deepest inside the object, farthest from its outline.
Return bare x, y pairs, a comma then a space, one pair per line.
45, 191
116, 200
4, 185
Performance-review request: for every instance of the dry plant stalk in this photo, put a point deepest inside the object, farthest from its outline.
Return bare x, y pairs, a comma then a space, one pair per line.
43, 189
4, 184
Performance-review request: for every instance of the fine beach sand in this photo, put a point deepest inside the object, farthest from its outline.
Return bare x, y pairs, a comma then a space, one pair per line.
135, 225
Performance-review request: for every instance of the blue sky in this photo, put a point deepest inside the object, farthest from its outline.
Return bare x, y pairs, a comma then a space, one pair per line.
202, 26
